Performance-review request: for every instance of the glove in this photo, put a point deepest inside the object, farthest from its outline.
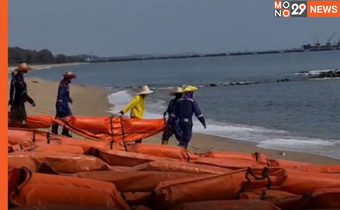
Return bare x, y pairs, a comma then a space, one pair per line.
33, 104
10, 102
121, 113
202, 120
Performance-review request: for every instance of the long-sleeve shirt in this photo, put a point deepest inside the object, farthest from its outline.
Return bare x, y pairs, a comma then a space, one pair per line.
171, 106
18, 91
63, 98
136, 107
185, 108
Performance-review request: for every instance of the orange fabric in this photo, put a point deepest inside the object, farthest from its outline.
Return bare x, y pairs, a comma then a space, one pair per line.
228, 205
39, 121
161, 151
282, 199
63, 207
175, 166
300, 182
133, 181
328, 198
261, 158
227, 163
25, 136
199, 188
42, 190
122, 158
86, 145
99, 128
27, 139
286, 163
59, 148
137, 198
173, 175
60, 162
316, 168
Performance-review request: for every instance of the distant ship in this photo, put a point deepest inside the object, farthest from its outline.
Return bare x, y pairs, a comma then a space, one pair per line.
319, 47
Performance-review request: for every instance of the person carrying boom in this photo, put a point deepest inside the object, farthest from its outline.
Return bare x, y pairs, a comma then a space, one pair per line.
170, 128
63, 99
182, 113
136, 105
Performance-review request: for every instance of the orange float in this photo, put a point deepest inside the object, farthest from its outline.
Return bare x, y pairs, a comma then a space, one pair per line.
133, 181
59, 162
115, 129
229, 205
43, 190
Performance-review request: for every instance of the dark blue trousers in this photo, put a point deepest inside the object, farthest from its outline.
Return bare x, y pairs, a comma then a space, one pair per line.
185, 128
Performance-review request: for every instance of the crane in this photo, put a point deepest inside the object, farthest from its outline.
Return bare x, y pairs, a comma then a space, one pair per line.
330, 39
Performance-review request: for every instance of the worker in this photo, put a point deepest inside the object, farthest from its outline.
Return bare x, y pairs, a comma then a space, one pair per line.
136, 105
63, 99
182, 113
170, 128
18, 96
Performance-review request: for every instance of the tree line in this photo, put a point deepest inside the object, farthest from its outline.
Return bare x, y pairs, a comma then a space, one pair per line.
44, 56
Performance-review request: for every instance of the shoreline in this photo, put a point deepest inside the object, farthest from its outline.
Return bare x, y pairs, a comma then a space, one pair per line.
37, 67
201, 143
93, 101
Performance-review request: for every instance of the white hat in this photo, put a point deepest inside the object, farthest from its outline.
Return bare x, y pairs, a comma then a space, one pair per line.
70, 75
145, 90
176, 90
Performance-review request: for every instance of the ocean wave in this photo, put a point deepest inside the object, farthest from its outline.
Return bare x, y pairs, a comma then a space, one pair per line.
296, 142
314, 72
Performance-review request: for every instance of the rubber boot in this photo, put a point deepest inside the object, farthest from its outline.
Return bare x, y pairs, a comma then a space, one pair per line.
55, 129
65, 132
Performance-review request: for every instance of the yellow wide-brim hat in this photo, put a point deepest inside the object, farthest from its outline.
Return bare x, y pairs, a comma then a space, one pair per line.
145, 90
176, 91
23, 67
190, 88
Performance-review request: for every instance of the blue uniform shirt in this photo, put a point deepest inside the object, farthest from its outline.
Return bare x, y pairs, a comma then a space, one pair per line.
63, 98
185, 108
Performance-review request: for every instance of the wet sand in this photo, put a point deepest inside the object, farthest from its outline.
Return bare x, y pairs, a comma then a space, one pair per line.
92, 101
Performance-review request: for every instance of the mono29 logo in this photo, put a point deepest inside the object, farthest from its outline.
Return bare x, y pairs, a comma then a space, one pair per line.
285, 9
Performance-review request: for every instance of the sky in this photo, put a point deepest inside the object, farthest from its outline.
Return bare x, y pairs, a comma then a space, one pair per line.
130, 27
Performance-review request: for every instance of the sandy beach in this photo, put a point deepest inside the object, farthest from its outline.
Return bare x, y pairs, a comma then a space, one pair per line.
92, 101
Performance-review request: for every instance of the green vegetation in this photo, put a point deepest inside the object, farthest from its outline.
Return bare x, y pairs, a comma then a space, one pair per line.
17, 55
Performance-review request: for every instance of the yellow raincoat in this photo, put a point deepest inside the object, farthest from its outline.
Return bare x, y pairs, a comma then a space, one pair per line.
136, 106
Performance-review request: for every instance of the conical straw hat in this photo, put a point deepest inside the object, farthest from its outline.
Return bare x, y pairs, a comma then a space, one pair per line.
190, 88
176, 90
145, 90
70, 75
23, 67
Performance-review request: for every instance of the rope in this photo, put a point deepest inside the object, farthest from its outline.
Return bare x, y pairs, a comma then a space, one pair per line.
264, 175
123, 133
34, 132
112, 136
48, 138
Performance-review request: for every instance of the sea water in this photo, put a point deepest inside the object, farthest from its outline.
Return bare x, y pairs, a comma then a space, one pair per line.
266, 100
